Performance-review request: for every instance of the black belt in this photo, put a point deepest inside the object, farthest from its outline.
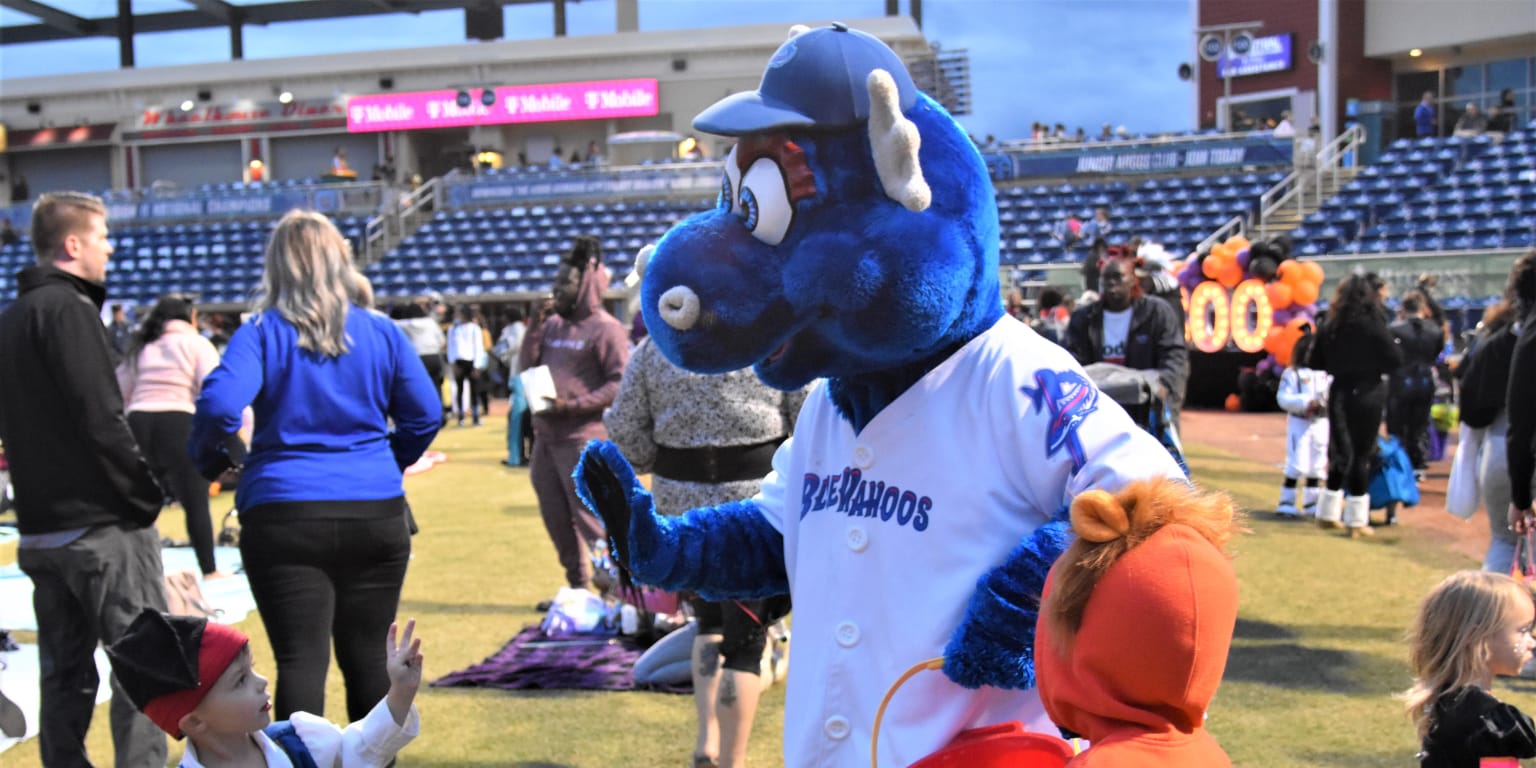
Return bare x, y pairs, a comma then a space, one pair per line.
716, 465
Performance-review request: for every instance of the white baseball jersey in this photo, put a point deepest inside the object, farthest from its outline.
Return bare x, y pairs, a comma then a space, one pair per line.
1306, 440
886, 533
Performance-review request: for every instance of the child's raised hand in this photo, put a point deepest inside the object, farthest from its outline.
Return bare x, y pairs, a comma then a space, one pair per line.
403, 662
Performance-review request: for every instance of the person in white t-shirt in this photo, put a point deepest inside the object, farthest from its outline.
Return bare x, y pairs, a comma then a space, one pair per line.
1128, 328
466, 343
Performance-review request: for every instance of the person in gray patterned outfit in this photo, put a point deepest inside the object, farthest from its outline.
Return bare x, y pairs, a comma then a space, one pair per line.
707, 440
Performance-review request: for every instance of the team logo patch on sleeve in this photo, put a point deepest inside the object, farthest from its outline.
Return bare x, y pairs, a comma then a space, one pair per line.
1069, 397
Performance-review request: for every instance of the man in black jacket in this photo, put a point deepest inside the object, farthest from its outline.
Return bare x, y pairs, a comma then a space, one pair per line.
86, 501
1127, 328
1411, 389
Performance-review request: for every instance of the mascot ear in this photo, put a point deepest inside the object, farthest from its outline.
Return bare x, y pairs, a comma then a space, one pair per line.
895, 141
1099, 517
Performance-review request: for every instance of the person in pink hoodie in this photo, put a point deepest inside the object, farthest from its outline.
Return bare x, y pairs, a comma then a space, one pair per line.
586, 350
161, 375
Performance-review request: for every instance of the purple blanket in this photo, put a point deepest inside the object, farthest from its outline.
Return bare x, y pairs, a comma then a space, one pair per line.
532, 660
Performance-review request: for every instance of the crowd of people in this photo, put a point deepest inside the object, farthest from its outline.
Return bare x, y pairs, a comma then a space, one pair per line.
1475, 120
314, 385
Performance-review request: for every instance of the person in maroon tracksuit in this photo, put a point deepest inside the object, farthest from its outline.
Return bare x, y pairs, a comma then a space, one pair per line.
586, 349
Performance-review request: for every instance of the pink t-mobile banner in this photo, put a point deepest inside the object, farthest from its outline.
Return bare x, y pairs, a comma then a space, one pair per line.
597, 99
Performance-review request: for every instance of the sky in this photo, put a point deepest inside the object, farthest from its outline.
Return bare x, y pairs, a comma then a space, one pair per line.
1077, 62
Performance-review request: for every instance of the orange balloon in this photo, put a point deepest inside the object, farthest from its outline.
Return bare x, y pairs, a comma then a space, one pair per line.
1279, 295
1284, 272
1275, 341
1231, 274
1213, 265
1314, 271
1304, 293
1234, 403
1238, 243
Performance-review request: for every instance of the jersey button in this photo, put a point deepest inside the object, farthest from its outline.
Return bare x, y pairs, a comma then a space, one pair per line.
858, 540
836, 727
863, 456
847, 634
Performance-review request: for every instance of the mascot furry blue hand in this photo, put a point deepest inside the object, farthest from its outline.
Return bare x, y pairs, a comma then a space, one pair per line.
919, 505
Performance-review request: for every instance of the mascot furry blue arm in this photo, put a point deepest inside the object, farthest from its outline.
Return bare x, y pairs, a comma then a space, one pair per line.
915, 510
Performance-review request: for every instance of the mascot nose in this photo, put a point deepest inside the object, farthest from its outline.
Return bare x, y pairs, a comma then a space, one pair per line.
679, 307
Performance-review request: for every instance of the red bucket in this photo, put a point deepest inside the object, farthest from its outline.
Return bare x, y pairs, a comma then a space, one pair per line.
1005, 745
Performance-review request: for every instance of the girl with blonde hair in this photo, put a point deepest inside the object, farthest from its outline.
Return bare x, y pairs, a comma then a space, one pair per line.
325, 377
1473, 626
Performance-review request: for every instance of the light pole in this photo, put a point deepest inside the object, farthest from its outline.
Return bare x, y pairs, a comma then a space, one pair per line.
1206, 40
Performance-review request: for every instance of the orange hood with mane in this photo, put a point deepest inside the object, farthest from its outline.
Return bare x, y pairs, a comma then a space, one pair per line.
1136, 624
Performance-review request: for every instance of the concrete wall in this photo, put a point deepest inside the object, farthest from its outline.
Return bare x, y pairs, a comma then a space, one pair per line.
1394, 26
189, 164
84, 170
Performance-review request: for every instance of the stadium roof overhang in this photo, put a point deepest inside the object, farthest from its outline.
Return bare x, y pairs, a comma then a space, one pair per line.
57, 24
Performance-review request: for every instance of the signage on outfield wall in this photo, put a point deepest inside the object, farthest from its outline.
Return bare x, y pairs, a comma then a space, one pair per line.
684, 181
552, 102
1271, 53
1108, 159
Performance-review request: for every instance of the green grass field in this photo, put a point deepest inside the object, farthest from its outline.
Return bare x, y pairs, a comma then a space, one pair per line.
1317, 656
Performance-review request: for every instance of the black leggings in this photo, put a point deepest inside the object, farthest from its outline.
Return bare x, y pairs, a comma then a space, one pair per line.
322, 580
162, 437
1354, 421
464, 376
434, 364
1408, 421
744, 626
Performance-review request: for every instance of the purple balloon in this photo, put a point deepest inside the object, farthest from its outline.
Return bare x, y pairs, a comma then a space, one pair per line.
1283, 316
1242, 259
1191, 276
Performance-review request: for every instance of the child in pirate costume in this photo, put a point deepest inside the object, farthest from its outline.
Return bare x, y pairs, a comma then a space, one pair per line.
194, 679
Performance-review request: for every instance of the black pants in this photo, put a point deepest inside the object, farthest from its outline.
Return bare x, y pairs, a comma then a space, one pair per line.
162, 436
464, 377
1354, 421
744, 626
434, 364
1408, 421
322, 580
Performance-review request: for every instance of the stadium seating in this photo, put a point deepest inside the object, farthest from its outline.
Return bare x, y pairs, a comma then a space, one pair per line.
1450, 194
219, 261
1177, 213
517, 249
493, 251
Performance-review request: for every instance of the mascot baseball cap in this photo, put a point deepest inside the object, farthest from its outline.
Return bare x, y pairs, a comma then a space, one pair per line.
816, 79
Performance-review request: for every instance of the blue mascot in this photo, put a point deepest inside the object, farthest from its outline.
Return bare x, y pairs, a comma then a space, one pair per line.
919, 505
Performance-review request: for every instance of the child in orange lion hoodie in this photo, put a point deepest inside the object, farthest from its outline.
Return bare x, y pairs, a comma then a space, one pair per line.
1135, 624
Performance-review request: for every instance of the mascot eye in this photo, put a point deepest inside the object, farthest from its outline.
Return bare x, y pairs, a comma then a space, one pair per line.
749, 208
730, 183
765, 202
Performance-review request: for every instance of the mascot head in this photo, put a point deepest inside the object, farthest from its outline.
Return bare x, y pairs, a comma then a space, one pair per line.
855, 232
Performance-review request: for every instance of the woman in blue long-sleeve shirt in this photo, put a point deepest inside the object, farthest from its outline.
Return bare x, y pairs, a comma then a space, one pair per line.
324, 536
